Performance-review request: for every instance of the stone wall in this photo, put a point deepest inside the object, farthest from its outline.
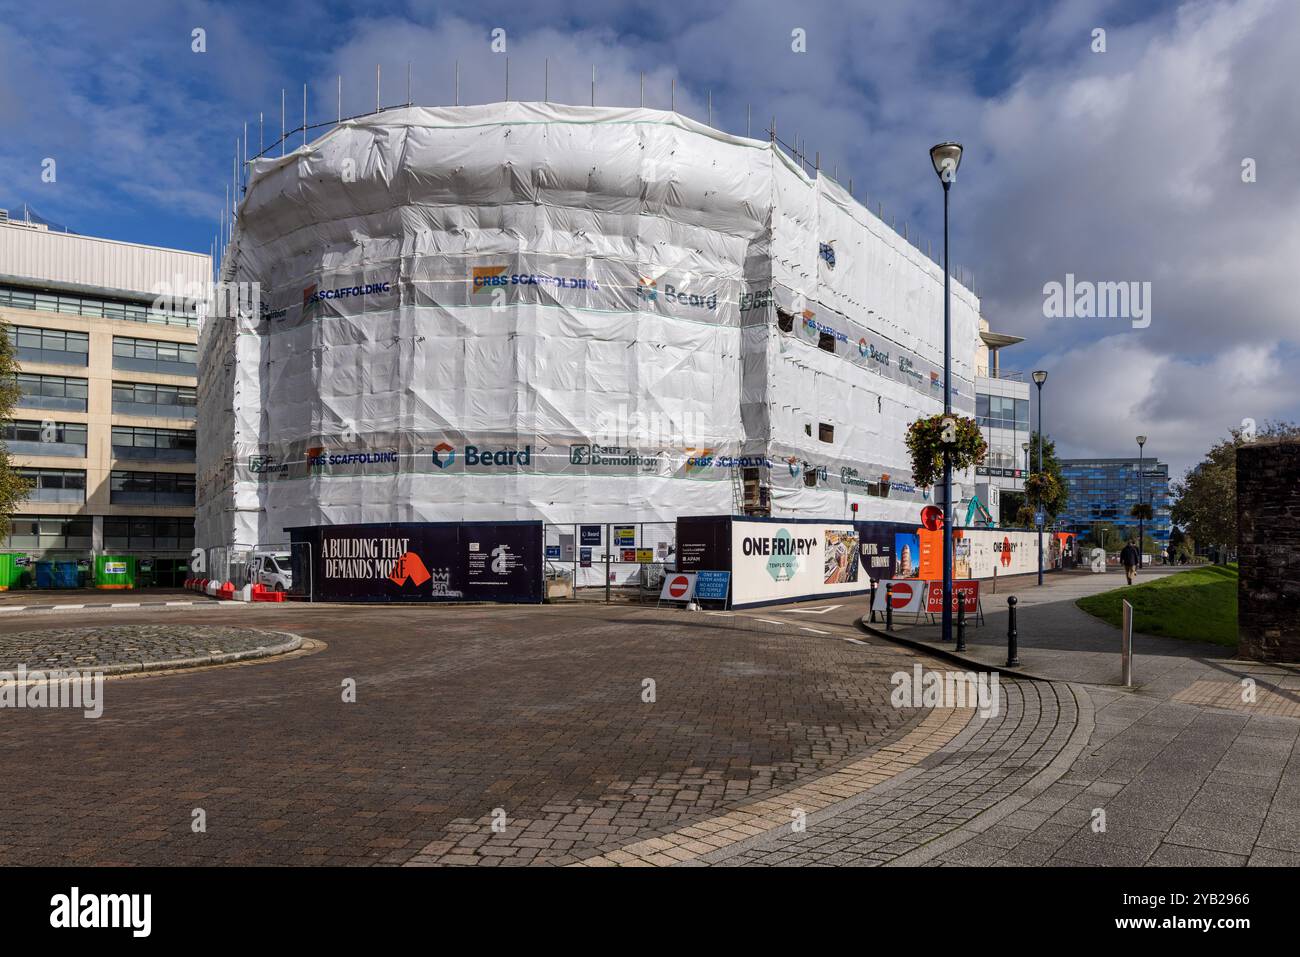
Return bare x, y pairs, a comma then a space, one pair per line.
1268, 547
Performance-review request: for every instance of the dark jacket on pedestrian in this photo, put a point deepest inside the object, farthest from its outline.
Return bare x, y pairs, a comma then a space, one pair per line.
1128, 556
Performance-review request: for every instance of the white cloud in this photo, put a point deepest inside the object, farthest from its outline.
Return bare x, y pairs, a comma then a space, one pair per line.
1097, 400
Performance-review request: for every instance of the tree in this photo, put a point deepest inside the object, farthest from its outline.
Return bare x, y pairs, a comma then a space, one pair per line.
1205, 501
1141, 510
1050, 487
1103, 535
1010, 507
13, 488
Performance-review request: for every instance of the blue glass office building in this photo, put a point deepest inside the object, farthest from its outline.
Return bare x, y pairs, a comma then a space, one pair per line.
1104, 491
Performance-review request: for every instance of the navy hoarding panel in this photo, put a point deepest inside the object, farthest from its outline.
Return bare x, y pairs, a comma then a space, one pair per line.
877, 552
425, 561
704, 543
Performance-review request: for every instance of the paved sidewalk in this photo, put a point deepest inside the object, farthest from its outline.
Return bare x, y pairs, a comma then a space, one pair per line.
1198, 764
1059, 641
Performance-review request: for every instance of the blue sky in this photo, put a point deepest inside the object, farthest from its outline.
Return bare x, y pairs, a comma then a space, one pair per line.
1123, 165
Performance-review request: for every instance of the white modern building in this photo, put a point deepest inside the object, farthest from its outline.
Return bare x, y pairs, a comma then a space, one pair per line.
524, 311
104, 424
1003, 414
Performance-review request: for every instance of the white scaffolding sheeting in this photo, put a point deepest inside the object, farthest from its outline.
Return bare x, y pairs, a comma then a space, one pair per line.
523, 310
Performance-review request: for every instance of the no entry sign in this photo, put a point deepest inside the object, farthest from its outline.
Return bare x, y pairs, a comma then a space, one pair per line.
907, 594
678, 586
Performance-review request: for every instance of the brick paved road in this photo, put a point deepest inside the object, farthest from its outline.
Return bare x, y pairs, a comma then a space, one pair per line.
536, 711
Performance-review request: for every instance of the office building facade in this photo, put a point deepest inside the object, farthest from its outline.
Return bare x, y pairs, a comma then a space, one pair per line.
1003, 415
104, 427
1104, 491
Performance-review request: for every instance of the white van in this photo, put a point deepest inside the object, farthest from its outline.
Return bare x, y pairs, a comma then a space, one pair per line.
271, 570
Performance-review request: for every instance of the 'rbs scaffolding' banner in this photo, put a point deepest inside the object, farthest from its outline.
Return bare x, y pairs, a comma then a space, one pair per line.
423, 561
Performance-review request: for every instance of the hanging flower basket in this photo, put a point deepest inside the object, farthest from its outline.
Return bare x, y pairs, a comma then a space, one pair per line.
925, 443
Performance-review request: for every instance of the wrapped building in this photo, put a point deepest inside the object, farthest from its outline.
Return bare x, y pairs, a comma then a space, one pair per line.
533, 311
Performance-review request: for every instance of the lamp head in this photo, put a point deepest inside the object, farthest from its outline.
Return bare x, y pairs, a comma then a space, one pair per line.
946, 157
1142, 440
1040, 377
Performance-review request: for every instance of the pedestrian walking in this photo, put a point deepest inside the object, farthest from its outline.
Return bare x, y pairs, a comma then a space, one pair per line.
1129, 558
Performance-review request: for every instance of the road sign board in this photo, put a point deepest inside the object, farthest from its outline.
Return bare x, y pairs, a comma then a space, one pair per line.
679, 586
712, 586
907, 594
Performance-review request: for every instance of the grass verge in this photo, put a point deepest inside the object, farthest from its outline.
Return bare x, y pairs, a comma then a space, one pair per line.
1199, 605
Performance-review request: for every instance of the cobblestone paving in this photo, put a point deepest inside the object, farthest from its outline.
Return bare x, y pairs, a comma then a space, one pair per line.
537, 711
1179, 784
118, 647
993, 760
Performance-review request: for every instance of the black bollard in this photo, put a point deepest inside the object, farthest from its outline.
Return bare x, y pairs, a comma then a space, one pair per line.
1013, 657
889, 607
873, 601
961, 625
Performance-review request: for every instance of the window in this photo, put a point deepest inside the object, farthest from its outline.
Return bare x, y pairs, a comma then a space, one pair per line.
150, 355
16, 297
52, 392
48, 531
784, 320
148, 533
135, 442
66, 486
140, 398
825, 432
1002, 412
826, 341
29, 437
32, 342
809, 476
150, 488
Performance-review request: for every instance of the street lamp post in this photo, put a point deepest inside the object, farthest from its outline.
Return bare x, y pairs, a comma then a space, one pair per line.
1142, 441
946, 157
1039, 378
